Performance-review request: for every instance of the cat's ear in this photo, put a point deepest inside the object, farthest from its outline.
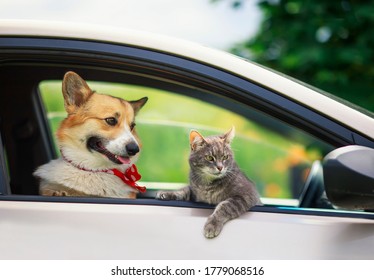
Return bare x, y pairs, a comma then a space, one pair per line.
229, 135
196, 140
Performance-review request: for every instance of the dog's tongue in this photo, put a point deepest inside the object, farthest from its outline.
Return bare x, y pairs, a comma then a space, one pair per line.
123, 160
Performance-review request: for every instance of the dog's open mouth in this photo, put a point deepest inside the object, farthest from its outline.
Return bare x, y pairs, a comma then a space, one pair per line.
94, 143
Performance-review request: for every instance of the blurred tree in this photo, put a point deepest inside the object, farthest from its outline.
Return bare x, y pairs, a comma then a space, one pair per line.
328, 44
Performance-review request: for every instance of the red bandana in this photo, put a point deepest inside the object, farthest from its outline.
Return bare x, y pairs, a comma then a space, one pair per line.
129, 177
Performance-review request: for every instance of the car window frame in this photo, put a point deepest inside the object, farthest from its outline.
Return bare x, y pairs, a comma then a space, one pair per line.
120, 58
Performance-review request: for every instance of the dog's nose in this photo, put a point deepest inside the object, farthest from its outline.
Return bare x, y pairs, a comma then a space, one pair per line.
132, 149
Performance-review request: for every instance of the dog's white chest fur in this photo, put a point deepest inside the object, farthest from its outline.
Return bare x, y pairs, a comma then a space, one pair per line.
91, 183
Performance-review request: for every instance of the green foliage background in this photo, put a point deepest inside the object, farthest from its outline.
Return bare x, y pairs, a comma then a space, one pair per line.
327, 44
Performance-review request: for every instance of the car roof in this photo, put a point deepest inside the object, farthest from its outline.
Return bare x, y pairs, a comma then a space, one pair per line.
286, 86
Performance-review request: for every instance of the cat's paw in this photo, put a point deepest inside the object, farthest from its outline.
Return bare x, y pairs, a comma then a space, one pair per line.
212, 228
163, 195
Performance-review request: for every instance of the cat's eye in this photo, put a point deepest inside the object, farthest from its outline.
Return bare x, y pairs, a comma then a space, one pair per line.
225, 157
209, 158
111, 121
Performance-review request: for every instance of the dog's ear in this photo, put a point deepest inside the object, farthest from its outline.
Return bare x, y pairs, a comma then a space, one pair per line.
138, 104
75, 91
196, 140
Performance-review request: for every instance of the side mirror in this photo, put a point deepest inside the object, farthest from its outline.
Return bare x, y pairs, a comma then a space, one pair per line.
349, 177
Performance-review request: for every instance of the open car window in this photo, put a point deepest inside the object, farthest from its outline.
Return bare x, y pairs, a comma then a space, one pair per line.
275, 155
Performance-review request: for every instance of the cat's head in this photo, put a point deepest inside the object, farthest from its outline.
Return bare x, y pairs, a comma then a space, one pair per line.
211, 156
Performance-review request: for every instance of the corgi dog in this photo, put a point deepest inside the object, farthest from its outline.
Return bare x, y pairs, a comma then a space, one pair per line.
98, 143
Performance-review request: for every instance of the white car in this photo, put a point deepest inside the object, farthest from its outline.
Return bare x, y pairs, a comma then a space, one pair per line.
292, 140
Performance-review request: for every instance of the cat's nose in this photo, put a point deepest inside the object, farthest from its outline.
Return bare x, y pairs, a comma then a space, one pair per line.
219, 167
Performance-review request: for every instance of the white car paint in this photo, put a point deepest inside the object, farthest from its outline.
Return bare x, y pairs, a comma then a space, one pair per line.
45, 230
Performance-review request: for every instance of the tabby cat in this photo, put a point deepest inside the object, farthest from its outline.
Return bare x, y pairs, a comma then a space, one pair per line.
215, 178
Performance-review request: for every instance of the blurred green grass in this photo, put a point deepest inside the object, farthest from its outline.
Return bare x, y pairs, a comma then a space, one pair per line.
164, 124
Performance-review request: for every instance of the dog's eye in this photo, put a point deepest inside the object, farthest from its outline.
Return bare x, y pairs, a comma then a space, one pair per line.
132, 126
111, 121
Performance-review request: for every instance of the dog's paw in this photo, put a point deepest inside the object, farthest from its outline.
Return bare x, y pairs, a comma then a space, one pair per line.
212, 228
51, 192
163, 195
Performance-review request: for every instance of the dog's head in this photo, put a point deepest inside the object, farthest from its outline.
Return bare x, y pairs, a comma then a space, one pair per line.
99, 131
